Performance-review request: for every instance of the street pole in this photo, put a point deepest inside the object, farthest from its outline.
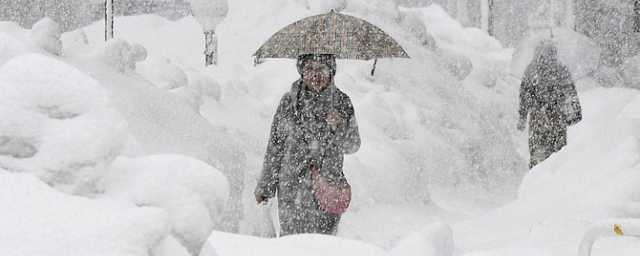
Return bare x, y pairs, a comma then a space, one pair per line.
486, 22
108, 20
211, 48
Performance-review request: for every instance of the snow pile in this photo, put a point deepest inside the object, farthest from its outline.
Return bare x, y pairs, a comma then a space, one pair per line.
608, 227
37, 220
120, 55
443, 37
46, 34
193, 193
203, 84
57, 123
591, 179
166, 121
62, 126
307, 244
162, 73
436, 240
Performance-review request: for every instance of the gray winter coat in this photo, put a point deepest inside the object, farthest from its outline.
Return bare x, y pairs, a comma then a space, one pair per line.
301, 138
545, 89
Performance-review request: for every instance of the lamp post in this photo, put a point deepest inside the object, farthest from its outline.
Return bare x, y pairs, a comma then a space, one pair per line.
108, 19
209, 13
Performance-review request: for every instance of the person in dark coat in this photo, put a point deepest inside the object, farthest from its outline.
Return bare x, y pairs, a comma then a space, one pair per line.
314, 126
546, 91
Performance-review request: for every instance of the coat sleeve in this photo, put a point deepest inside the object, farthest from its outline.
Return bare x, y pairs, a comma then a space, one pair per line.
268, 182
525, 100
347, 135
571, 104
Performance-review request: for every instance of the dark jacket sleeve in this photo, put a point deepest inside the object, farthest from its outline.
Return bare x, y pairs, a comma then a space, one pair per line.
572, 110
347, 136
268, 182
525, 100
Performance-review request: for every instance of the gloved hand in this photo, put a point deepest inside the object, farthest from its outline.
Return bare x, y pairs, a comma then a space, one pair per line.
333, 118
522, 123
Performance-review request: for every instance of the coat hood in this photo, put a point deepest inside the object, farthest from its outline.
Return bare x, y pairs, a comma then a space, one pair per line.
546, 53
328, 59
546, 68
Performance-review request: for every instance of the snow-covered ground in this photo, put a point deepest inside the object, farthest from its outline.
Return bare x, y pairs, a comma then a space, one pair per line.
133, 147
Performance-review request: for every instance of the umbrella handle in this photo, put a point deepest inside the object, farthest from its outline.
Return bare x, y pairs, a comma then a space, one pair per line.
374, 66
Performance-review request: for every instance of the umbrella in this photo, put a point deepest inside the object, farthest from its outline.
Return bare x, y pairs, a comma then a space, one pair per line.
579, 53
344, 36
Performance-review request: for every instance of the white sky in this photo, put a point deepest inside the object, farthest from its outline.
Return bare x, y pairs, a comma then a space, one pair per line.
441, 171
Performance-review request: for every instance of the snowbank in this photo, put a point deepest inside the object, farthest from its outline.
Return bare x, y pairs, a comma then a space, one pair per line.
593, 178
46, 34
313, 245
193, 193
37, 220
11, 47
162, 123
57, 123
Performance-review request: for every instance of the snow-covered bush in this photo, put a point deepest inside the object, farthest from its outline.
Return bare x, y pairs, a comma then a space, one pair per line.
411, 22
138, 53
56, 122
417, 22
46, 34
190, 97
75, 43
458, 65
191, 191
119, 54
163, 73
204, 84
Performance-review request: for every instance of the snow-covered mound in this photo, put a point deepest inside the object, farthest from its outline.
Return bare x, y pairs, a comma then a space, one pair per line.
192, 192
57, 122
61, 125
593, 178
37, 220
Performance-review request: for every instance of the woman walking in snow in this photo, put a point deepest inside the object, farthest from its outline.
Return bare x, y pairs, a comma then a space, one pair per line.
314, 126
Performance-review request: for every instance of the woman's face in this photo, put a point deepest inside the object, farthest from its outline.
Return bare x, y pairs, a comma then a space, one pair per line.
316, 75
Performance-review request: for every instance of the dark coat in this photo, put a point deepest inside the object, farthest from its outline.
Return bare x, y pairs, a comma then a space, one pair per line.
300, 138
544, 93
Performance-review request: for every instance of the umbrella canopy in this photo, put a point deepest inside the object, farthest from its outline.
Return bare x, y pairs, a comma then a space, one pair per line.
579, 53
344, 36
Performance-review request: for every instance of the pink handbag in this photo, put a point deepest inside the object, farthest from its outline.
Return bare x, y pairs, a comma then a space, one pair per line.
331, 198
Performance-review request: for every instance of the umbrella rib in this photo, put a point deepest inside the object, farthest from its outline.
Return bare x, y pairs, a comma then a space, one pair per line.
319, 34
343, 48
332, 35
307, 38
